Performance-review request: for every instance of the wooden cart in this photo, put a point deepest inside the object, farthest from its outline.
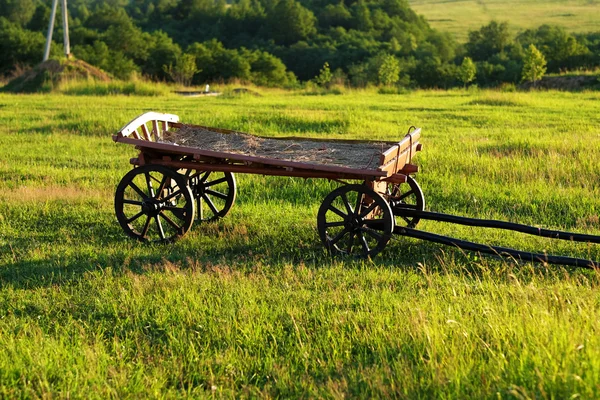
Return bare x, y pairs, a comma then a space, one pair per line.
173, 184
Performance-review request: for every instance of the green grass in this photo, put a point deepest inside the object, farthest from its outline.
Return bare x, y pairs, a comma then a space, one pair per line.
460, 16
251, 306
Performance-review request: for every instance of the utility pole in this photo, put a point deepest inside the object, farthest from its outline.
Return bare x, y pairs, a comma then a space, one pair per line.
50, 29
65, 21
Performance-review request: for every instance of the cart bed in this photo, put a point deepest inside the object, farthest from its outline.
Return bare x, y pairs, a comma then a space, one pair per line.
162, 135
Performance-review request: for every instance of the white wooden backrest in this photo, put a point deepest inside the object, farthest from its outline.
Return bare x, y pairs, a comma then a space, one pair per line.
138, 127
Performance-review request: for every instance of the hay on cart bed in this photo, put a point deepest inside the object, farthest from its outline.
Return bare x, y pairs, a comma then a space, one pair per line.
363, 155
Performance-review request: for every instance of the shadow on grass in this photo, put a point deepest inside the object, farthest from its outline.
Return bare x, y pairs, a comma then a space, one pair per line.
401, 254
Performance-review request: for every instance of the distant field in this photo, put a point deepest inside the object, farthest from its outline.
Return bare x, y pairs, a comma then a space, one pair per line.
251, 306
458, 17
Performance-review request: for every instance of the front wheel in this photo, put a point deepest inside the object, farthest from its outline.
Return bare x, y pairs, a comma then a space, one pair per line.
154, 204
354, 220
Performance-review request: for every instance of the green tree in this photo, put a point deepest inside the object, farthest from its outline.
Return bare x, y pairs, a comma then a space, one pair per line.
562, 50
335, 15
490, 39
111, 61
534, 65
161, 51
362, 16
324, 77
467, 71
268, 70
18, 11
389, 71
290, 22
184, 69
18, 46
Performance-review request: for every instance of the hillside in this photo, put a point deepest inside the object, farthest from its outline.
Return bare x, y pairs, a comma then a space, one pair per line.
49, 74
460, 16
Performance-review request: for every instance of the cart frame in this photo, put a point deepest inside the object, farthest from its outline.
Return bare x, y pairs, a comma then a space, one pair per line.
353, 220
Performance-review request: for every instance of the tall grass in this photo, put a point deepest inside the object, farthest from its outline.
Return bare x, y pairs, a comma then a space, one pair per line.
99, 88
251, 306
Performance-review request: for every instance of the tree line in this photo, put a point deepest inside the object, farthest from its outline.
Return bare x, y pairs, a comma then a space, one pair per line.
284, 42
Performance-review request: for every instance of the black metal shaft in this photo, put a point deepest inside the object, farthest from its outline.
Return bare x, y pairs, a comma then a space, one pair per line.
496, 250
490, 223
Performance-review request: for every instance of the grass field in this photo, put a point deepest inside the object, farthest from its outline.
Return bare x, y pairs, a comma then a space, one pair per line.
251, 306
460, 16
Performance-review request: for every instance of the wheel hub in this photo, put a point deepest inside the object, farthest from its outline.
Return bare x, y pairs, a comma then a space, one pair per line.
151, 207
353, 223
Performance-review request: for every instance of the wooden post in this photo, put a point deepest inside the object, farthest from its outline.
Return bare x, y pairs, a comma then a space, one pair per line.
50, 29
65, 19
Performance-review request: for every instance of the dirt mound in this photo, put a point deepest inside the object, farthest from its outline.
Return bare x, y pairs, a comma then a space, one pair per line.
566, 82
47, 75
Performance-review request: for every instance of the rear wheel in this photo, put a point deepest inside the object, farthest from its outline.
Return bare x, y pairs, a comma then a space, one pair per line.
214, 193
356, 221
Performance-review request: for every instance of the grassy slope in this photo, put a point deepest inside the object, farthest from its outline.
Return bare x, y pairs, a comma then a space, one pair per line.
460, 16
252, 305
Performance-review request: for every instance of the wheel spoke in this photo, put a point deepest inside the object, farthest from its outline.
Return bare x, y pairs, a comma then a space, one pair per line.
349, 209
134, 202
216, 182
136, 216
374, 234
171, 222
172, 195
364, 243
405, 195
358, 206
216, 194
211, 205
197, 174
368, 210
205, 177
337, 237
149, 183
159, 227
146, 226
333, 224
138, 190
178, 212
338, 212
372, 221
350, 243
200, 211
161, 187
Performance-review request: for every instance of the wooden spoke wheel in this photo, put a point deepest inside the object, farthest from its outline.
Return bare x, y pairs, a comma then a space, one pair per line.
354, 220
154, 204
214, 193
406, 195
